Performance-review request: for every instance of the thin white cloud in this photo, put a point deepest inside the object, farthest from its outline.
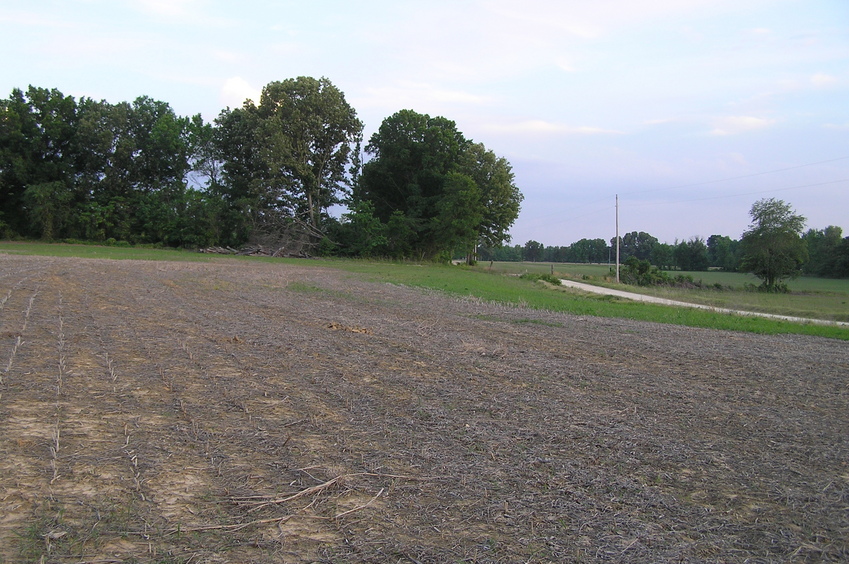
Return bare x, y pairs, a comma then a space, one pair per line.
236, 90
414, 95
190, 13
838, 126
822, 80
542, 127
22, 18
659, 121
231, 57
733, 125
168, 8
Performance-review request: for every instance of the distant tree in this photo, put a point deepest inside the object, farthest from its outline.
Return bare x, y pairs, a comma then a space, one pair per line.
532, 251
722, 252
823, 249
691, 254
635, 244
504, 253
772, 247
587, 250
841, 259
662, 256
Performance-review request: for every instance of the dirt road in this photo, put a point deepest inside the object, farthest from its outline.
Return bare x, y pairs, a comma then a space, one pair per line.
254, 412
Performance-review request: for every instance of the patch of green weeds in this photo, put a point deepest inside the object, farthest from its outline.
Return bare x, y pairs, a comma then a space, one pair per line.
46, 536
538, 277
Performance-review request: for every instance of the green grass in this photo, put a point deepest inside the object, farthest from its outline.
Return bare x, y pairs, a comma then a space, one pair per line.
815, 298
99, 251
491, 285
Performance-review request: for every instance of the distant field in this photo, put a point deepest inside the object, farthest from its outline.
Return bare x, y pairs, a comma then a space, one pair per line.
819, 298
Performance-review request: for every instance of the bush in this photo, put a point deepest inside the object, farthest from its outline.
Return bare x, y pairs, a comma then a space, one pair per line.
543, 277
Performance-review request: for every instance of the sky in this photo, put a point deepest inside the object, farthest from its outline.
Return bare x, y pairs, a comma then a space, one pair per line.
688, 110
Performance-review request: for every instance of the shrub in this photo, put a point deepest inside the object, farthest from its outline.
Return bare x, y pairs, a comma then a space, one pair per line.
543, 277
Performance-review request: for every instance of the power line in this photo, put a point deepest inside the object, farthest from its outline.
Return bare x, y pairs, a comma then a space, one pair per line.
608, 207
742, 193
738, 177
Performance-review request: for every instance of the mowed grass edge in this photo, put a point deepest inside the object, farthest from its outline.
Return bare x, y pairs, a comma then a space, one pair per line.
468, 282
809, 297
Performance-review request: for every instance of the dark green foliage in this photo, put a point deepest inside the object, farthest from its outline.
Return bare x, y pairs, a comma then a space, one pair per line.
637, 272
828, 252
361, 233
435, 190
723, 252
662, 256
533, 251
284, 161
635, 244
137, 172
691, 255
550, 278
772, 248
93, 170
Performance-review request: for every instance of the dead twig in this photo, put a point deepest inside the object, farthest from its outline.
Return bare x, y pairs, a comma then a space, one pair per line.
313, 490
369, 502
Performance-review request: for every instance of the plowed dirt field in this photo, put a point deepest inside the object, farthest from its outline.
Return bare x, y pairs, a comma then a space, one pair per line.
236, 411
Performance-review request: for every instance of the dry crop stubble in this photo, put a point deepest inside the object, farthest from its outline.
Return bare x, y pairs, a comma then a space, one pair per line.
234, 411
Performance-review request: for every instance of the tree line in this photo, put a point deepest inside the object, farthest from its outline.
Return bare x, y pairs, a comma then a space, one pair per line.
269, 173
776, 239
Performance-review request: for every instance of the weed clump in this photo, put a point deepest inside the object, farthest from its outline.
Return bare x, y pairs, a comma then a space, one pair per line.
535, 277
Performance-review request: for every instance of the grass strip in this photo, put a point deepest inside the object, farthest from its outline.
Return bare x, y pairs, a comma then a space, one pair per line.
464, 281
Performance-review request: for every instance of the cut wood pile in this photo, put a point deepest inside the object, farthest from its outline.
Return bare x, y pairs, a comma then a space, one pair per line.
255, 251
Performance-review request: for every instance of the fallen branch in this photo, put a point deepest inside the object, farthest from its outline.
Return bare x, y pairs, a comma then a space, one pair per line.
309, 491
338, 515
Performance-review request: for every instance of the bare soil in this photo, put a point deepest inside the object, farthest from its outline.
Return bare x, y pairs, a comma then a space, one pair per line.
255, 412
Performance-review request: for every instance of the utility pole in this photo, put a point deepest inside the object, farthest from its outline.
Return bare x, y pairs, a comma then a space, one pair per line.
617, 238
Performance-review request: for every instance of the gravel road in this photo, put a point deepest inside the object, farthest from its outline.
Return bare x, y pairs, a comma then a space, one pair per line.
655, 300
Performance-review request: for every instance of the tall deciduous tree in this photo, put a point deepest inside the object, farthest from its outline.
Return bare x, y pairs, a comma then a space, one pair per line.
435, 187
307, 131
36, 159
285, 160
412, 156
772, 247
500, 198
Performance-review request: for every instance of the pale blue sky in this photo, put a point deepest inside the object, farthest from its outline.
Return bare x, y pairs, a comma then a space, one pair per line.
690, 110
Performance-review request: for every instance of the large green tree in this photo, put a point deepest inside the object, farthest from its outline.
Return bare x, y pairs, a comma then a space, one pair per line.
285, 160
36, 159
772, 247
436, 190
94, 170
500, 198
